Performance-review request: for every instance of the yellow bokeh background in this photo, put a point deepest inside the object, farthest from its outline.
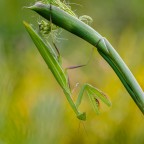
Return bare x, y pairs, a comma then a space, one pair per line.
33, 108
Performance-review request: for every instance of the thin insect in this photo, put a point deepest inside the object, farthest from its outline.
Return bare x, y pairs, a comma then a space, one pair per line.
62, 78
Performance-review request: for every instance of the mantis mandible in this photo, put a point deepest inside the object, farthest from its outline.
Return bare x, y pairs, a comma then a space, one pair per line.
60, 75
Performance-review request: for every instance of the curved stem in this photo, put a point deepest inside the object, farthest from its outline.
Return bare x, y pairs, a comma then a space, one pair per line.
82, 30
122, 79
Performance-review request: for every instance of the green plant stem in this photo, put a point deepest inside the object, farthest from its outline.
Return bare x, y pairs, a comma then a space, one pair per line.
77, 27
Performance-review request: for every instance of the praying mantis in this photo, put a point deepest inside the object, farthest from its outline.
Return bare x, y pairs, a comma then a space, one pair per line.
60, 15
61, 77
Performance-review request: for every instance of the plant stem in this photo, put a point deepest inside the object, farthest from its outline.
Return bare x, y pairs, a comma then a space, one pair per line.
77, 27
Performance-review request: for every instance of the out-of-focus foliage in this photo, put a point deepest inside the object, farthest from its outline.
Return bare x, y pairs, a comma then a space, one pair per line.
33, 109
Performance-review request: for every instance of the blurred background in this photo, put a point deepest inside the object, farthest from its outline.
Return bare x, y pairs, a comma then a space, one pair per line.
33, 108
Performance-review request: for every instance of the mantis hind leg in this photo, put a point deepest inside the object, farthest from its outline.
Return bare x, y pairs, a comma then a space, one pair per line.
78, 66
82, 65
56, 48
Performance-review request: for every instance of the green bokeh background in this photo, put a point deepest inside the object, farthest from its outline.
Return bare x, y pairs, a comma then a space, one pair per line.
33, 108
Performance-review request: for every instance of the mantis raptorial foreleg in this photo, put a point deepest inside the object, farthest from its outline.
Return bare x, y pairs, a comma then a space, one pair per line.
94, 95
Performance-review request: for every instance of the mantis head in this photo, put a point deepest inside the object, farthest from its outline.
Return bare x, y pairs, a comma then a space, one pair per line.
82, 116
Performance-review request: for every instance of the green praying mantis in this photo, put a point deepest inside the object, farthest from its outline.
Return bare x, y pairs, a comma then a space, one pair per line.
61, 76
60, 15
